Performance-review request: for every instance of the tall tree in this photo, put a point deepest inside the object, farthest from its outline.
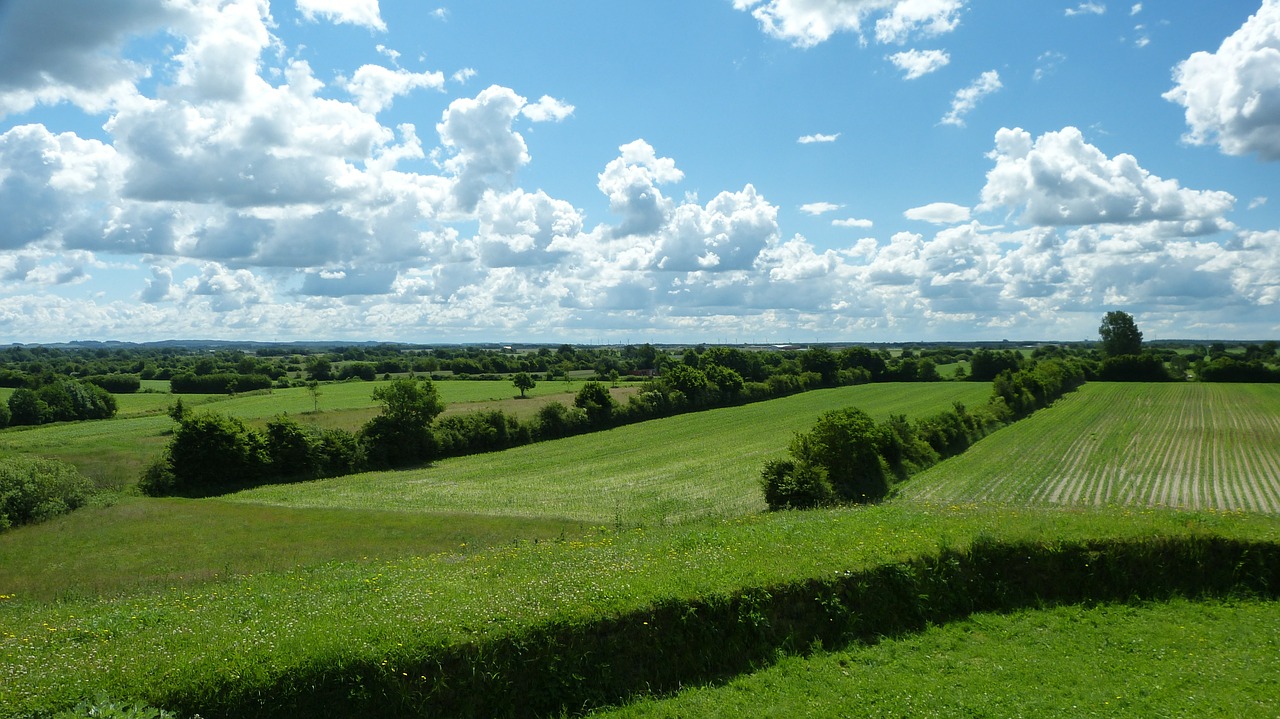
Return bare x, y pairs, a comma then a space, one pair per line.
1120, 335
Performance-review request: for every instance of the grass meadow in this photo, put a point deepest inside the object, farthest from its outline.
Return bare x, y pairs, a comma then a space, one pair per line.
704, 464
635, 572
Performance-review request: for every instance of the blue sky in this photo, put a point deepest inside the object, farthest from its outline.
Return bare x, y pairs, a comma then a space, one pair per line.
666, 170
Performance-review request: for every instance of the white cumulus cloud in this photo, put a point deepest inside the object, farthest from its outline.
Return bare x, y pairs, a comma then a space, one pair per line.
918, 63
547, 109
364, 13
818, 138
1059, 179
1087, 8
806, 23
939, 213
819, 208
1232, 96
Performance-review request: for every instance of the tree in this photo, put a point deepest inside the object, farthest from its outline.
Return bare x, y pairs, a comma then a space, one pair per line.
844, 443
595, 400
402, 433
1120, 335
523, 381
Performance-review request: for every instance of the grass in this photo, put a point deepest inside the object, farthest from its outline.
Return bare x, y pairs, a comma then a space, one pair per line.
251, 633
1174, 659
114, 452
661, 472
139, 545
1181, 445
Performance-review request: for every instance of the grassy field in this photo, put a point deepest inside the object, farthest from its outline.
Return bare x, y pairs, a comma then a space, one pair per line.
114, 452
382, 587
661, 472
268, 634
1187, 445
1175, 659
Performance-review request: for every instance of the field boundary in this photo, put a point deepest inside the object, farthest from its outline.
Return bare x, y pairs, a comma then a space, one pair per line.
569, 668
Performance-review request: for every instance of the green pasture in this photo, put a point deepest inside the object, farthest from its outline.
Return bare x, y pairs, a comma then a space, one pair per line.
252, 636
1190, 445
660, 472
114, 452
1169, 659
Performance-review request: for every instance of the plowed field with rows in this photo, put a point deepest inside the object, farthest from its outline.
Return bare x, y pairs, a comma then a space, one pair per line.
1192, 445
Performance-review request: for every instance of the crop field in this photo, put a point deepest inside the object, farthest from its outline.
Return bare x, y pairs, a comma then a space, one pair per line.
1189, 445
660, 472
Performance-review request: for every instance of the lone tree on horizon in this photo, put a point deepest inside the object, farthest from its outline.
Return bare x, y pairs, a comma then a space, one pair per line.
1120, 335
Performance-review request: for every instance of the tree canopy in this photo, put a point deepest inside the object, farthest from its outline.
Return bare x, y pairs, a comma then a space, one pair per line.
1120, 335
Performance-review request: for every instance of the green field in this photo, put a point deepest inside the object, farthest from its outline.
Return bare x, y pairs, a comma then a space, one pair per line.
114, 452
597, 569
704, 464
1188, 445
1176, 659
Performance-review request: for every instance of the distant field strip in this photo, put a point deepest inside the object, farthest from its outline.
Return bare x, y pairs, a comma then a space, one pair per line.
661, 472
1196, 445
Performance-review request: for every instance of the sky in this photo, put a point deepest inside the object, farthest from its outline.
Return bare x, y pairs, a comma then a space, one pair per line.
720, 171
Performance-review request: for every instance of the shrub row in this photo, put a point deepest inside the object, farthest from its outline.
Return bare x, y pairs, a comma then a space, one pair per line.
62, 401
849, 458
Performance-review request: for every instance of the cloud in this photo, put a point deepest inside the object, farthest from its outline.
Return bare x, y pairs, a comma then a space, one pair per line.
1059, 179
939, 213
547, 109
1087, 8
1137, 8
1232, 96
1257, 202
852, 222
1047, 64
364, 13
806, 23
73, 52
631, 183
818, 138
968, 98
819, 208
918, 63
374, 86
487, 152
462, 76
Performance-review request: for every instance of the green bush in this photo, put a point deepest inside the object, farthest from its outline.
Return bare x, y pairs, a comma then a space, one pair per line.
34, 489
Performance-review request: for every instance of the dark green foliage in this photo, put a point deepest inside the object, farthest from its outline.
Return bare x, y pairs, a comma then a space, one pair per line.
63, 400
986, 365
219, 383
821, 361
103, 708
475, 432
358, 370
689, 381
792, 485
854, 358
402, 435
843, 444
1226, 369
69, 401
1133, 368
555, 420
118, 383
33, 489
1120, 335
292, 451
26, 408
4, 415
595, 400
523, 382
728, 384
212, 453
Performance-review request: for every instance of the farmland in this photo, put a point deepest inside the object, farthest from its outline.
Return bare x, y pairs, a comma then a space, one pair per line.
490, 584
669, 471
1192, 445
